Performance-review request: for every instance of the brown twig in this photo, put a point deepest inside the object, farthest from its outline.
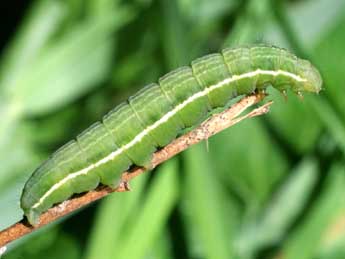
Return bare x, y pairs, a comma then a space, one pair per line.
211, 126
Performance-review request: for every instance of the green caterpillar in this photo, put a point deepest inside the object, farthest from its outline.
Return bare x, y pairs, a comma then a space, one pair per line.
129, 134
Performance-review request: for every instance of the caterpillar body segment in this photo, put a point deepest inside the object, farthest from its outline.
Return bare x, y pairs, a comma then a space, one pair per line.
125, 126
209, 70
180, 85
96, 142
150, 104
129, 134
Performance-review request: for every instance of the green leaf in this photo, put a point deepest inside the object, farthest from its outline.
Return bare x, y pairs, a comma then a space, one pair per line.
249, 26
37, 28
307, 23
151, 218
52, 245
210, 215
66, 69
205, 12
162, 248
332, 69
248, 159
111, 220
286, 115
306, 238
175, 41
281, 211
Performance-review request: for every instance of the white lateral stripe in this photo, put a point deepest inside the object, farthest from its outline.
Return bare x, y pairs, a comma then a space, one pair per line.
162, 120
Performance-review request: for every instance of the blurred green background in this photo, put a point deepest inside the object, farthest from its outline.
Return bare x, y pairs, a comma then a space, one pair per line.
270, 187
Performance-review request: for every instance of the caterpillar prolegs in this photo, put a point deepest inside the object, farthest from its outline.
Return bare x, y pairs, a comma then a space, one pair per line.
130, 133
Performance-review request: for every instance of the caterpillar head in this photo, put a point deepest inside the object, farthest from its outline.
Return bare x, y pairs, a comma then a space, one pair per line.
312, 76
